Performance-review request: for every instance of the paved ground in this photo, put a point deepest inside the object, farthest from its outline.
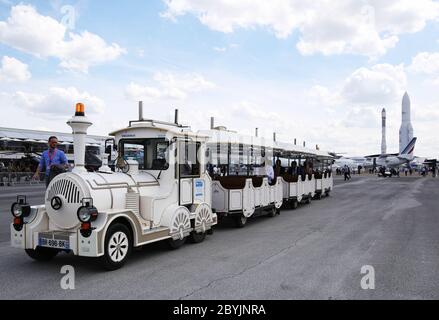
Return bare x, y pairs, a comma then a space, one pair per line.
314, 252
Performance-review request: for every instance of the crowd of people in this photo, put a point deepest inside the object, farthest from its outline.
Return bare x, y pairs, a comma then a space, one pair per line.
17, 171
346, 171
17, 166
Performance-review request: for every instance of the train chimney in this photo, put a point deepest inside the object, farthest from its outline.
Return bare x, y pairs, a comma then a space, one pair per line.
79, 124
176, 117
212, 123
256, 132
304, 144
295, 141
140, 110
274, 136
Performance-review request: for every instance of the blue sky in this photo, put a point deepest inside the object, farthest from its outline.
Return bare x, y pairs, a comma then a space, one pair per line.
317, 71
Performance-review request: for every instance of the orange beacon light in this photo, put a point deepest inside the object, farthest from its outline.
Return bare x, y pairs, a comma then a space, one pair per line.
80, 109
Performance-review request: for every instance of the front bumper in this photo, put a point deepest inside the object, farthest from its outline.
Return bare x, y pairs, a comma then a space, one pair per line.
26, 238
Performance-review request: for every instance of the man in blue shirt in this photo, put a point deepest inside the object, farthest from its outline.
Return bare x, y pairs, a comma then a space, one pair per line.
50, 158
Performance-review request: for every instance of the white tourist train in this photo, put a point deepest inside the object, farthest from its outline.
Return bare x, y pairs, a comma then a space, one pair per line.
170, 184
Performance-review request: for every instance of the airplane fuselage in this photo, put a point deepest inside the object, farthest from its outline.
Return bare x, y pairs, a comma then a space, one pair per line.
391, 162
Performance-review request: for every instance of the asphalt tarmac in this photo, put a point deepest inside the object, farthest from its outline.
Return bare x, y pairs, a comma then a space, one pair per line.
315, 252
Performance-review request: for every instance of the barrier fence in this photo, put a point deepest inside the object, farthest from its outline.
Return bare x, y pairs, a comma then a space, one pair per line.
19, 178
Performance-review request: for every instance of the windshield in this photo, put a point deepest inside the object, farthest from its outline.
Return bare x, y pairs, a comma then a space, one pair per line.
151, 154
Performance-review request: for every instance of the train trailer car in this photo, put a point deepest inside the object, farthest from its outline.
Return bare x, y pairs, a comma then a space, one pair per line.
305, 173
241, 188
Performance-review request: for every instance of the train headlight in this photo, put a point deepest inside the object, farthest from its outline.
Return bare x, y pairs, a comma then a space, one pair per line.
16, 210
87, 212
20, 208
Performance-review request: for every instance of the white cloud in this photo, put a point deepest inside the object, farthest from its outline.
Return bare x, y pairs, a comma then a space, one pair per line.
367, 117
425, 62
428, 113
136, 91
57, 102
368, 27
320, 95
220, 49
12, 70
169, 86
355, 103
42, 36
380, 84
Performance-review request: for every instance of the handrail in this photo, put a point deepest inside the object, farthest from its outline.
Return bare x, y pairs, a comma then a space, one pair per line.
119, 185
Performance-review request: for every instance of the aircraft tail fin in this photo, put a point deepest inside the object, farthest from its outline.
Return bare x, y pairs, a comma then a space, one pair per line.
408, 151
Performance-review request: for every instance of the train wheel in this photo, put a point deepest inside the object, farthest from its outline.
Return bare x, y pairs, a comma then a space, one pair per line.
240, 221
272, 213
118, 245
176, 244
294, 204
308, 200
42, 254
197, 237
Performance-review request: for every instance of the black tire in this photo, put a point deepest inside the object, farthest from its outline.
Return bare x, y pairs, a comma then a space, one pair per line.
308, 200
175, 244
294, 204
272, 213
42, 253
197, 237
118, 246
240, 221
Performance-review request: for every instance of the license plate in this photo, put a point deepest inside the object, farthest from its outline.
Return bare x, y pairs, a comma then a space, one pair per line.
53, 243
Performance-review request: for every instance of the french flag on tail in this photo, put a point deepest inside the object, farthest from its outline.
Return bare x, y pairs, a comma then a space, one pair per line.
410, 148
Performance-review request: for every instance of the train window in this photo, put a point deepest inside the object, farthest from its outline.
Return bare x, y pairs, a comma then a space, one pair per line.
151, 154
188, 161
134, 151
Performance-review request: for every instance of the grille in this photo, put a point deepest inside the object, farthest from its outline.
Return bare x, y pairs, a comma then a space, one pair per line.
67, 189
132, 201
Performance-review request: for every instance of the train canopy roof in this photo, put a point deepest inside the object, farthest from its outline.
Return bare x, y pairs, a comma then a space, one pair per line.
279, 148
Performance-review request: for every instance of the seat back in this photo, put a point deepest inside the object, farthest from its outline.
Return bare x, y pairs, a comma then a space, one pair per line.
290, 177
257, 181
232, 182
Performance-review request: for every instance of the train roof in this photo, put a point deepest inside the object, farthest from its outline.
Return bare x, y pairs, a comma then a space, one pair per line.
286, 149
172, 128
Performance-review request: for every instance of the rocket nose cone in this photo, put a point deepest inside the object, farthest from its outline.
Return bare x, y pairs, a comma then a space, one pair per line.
406, 98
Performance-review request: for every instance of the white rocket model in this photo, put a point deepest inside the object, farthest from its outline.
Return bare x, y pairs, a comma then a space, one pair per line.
79, 123
383, 127
406, 130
